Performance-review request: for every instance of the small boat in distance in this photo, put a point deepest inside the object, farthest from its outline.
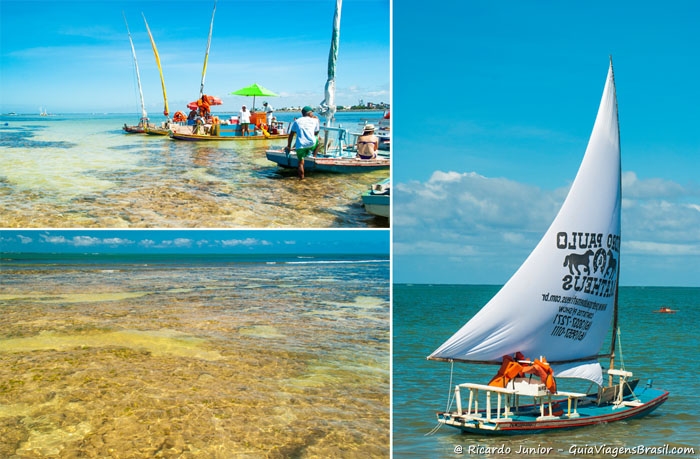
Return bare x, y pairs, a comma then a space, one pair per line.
551, 319
666, 310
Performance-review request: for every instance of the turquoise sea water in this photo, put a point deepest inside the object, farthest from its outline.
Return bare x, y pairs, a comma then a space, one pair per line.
655, 346
194, 357
70, 171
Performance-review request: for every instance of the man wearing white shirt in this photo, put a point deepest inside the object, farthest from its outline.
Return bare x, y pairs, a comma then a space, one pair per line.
306, 129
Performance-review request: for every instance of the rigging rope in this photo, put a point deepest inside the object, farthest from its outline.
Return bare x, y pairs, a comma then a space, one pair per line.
622, 363
619, 345
450, 399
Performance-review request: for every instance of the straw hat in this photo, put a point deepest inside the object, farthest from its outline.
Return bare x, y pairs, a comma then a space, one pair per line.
369, 127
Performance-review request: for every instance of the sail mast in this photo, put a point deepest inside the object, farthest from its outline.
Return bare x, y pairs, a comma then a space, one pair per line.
136, 64
613, 339
328, 107
206, 55
160, 69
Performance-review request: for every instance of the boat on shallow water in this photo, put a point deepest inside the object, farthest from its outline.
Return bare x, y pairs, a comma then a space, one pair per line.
377, 199
334, 153
549, 321
215, 130
143, 123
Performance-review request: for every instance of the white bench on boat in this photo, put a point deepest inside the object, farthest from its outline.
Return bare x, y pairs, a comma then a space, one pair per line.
474, 401
572, 396
519, 388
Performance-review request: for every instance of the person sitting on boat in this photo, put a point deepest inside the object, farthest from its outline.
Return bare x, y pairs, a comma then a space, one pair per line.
268, 113
367, 144
191, 117
306, 129
244, 120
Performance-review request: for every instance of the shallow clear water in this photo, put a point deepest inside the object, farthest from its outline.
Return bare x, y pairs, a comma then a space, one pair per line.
182, 358
654, 346
82, 171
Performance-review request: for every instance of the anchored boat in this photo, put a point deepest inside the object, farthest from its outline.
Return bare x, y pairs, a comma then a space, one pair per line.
377, 199
140, 128
550, 320
335, 153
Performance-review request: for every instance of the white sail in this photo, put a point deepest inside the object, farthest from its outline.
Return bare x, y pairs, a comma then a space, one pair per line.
327, 106
561, 301
144, 115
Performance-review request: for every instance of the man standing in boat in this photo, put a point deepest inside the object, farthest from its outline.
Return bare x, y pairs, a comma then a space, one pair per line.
306, 129
244, 120
268, 114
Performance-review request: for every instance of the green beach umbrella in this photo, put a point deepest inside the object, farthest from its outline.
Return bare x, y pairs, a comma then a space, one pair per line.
254, 90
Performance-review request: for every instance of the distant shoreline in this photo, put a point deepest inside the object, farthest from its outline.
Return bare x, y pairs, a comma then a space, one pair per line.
278, 110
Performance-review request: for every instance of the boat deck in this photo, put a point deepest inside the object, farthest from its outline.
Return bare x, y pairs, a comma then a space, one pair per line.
555, 415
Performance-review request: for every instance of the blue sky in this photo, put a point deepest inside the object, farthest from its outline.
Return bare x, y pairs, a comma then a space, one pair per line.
196, 241
74, 56
493, 106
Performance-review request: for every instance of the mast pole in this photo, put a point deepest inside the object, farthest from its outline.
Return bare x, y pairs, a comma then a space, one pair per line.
144, 115
206, 55
613, 339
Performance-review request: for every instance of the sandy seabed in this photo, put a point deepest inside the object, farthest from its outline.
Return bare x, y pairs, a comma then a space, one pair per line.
208, 372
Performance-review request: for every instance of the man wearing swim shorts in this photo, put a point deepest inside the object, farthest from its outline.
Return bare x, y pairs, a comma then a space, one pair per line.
306, 130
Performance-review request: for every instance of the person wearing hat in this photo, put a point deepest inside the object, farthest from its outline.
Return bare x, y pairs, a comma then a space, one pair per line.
306, 130
368, 143
268, 113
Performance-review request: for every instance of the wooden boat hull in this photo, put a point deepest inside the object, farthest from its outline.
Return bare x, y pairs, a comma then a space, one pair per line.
377, 199
328, 164
157, 131
238, 138
525, 422
134, 129
376, 204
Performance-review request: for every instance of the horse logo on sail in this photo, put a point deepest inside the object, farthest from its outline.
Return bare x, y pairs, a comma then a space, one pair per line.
612, 265
576, 260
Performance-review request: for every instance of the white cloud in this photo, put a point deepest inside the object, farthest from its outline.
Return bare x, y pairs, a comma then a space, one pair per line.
472, 209
660, 248
464, 215
24, 239
117, 242
654, 188
244, 242
53, 239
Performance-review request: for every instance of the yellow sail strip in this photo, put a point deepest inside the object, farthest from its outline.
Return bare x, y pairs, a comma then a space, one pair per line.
166, 112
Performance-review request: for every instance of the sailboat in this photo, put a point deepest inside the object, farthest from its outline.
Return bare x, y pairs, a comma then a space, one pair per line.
550, 320
143, 121
164, 129
334, 154
214, 128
